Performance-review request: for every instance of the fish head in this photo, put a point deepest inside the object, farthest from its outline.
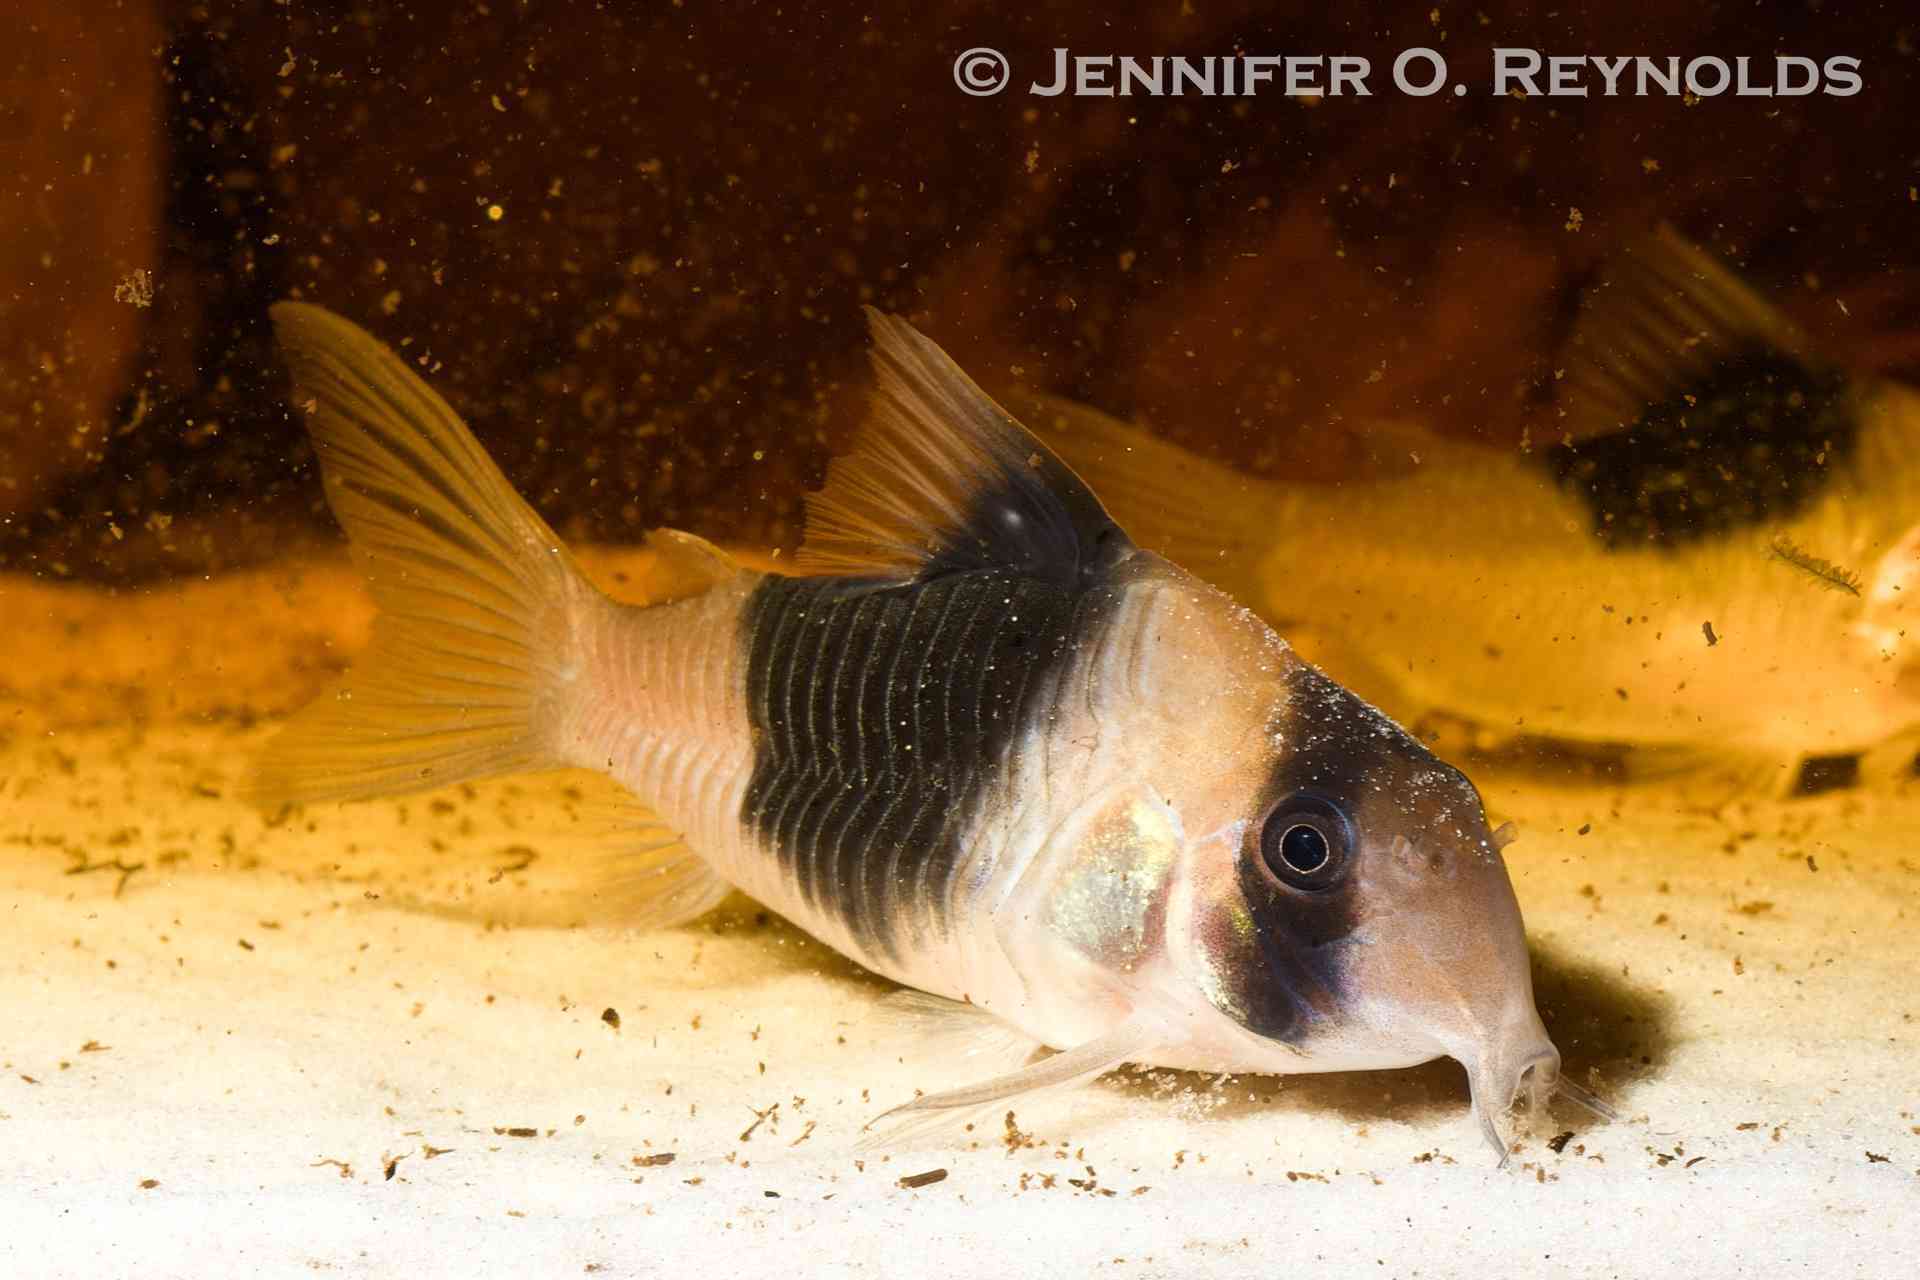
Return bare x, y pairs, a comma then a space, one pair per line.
1358, 913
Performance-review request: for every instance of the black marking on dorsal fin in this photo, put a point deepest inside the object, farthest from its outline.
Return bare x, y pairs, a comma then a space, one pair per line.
1692, 406
942, 480
1660, 319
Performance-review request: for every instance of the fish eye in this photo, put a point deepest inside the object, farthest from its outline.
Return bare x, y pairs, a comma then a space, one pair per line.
1305, 841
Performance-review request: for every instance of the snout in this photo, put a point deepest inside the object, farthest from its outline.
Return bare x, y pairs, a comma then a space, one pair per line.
1518, 1060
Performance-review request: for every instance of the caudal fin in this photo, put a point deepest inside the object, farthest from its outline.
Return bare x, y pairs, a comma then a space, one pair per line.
472, 651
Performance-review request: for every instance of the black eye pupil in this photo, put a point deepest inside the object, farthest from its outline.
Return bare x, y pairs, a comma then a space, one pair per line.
1305, 842
1304, 848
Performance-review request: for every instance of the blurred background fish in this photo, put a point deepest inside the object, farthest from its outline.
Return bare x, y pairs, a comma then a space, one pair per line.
1714, 562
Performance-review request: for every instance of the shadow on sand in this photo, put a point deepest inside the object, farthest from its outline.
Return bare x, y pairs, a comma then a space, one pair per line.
1610, 1033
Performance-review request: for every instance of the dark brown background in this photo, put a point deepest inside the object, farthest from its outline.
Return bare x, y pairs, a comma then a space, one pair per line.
663, 326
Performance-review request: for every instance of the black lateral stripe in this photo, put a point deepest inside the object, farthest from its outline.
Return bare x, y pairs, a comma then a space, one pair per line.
955, 731
921, 821
761, 632
871, 701
1755, 441
882, 715
923, 674
803, 668
786, 645
814, 837
843, 836
852, 662
979, 685
829, 668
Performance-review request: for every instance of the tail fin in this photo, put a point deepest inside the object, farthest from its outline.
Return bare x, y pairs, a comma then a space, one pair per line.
472, 649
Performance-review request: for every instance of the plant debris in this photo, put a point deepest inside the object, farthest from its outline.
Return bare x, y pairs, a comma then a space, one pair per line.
83, 867
1825, 572
759, 1118
1015, 1138
914, 1181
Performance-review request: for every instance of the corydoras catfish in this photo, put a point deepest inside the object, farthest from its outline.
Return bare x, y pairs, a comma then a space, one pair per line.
991, 749
1716, 561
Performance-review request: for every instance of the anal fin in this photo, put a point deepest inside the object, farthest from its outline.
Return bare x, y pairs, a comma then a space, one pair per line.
661, 882
652, 879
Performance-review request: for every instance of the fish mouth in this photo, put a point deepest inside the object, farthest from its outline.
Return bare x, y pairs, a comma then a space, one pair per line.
1500, 1079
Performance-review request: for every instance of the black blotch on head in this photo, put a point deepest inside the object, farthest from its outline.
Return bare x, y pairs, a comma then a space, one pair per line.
1756, 441
1345, 753
1294, 971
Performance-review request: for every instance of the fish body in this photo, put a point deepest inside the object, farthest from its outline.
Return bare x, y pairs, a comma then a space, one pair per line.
1626, 587
992, 750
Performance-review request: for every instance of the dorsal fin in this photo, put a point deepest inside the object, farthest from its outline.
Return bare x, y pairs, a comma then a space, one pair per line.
1694, 408
1660, 320
1196, 512
942, 480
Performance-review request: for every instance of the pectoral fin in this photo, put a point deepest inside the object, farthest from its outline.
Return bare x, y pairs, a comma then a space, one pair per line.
942, 1030
1074, 1066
